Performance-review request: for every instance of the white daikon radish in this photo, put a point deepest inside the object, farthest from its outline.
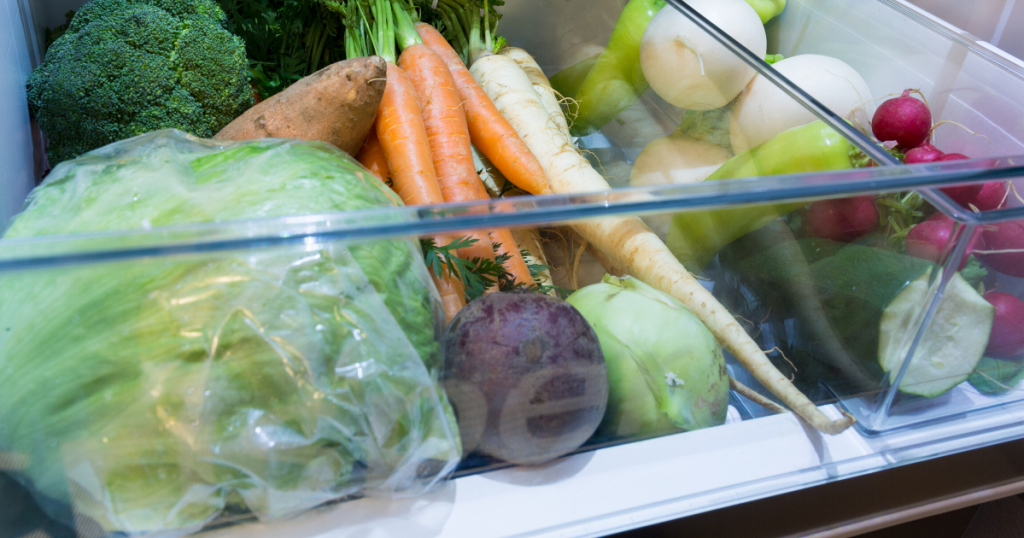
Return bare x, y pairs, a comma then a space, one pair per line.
763, 110
688, 67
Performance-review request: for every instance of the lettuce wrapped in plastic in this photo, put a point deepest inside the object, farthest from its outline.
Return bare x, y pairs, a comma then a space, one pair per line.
155, 394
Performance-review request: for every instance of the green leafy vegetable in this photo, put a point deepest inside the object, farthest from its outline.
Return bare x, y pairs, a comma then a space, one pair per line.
287, 40
451, 18
52, 34
123, 68
155, 393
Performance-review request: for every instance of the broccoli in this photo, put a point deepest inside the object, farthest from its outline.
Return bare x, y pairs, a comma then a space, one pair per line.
127, 67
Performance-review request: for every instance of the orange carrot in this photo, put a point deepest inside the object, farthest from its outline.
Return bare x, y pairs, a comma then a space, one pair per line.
403, 137
403, 140
489, 130
515, 265
448, 133
372, 157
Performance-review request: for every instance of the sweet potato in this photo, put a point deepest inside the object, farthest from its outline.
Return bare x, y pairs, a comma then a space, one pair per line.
337, 104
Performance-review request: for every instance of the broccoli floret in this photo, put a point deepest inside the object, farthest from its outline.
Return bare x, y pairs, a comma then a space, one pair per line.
127, 67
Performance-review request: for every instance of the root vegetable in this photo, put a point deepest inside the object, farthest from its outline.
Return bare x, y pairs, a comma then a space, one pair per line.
541, 85
843, 220
933, 238
963, 194
529, 240
336, 105
675, 159
904, 119
1004, 248
992, 196
1007, 338
489, 131
925, 153
626, 239
526, 376
763, 110
688, 67
373, 158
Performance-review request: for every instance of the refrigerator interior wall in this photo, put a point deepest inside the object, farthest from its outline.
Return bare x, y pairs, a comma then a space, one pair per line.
19, 53
995, 21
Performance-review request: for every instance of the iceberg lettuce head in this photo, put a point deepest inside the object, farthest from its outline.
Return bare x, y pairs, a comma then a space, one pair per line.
158, 393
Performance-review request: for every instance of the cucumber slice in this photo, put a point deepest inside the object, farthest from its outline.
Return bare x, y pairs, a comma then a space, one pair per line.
951, 346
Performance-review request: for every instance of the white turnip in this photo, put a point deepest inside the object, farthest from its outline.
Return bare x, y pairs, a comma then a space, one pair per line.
904, 119
677, 159
1007, 338
674, 159
688, 67
763, 110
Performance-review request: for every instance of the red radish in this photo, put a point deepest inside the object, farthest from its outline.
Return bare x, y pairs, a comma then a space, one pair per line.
1004, 247
904, 119
844, 219
926, 153
954, 157
963, 194
930, 240
992, 196
1007, 338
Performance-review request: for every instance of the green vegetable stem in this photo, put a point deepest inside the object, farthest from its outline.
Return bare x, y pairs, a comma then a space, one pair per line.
695, 237
767, 9
616, 81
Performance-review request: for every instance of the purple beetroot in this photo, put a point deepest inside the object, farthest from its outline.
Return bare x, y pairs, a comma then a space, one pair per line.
904, 119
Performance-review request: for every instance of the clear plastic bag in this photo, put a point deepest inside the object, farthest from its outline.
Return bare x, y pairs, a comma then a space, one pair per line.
158, 395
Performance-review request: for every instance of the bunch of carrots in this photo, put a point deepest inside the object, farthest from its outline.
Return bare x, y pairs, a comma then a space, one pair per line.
431, 114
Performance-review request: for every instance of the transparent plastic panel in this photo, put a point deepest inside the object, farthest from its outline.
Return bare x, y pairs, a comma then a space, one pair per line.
615, 354
842, 60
